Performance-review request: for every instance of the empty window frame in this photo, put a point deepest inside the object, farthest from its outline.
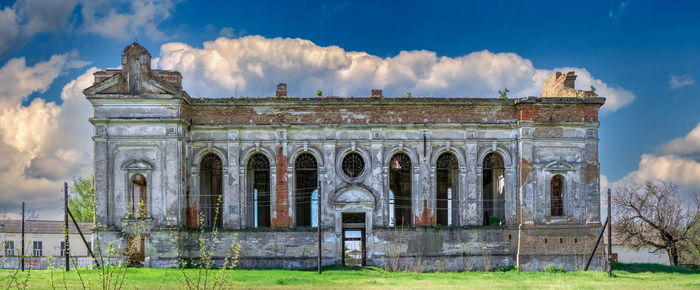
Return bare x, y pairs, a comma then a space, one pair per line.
493, 189
557, 195
210, 189
306, 184
400, 187
447, 183
258, 191
139, 197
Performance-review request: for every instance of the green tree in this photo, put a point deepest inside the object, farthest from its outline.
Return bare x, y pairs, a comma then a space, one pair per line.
503, 94
82, 203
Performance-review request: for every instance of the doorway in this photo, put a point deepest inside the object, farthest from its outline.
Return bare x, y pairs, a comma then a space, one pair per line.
353, 239
136, 250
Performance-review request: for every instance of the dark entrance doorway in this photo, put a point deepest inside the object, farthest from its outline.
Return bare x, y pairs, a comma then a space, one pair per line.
354, 239
136, 250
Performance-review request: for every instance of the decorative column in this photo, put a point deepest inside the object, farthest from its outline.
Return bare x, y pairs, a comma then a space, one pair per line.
232, 193
470, 207
103, 199
328, 177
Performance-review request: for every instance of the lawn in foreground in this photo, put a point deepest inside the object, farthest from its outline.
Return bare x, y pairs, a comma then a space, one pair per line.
626, 276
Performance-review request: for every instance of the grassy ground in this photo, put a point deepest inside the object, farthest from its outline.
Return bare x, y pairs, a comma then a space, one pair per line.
626, 276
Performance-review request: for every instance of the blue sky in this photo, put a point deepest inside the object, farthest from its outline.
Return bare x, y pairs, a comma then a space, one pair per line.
647, 49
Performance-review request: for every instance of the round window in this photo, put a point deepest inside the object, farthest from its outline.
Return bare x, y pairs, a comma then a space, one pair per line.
353, 164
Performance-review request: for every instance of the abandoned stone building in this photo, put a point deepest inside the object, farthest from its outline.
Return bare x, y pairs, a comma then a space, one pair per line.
452, 183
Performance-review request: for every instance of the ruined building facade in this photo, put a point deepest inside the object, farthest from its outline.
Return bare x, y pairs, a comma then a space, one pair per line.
452, 183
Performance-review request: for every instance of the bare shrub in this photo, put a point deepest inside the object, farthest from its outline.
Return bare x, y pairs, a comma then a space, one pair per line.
392, 249
205, 273
654, 214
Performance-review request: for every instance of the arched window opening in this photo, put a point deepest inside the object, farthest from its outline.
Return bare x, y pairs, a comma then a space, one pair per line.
557, 198
306, 183
258, 191
447, 182
210, 188
400, 187
139, 194
493, 189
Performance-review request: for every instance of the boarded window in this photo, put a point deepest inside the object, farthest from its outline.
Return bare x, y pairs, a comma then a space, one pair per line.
557, 191
306, 183
210, 189
139, 194
493, 189
400, 187
258, 191
446, 175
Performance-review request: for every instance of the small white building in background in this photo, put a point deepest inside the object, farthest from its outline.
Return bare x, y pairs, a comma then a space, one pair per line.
628, 255
42, 239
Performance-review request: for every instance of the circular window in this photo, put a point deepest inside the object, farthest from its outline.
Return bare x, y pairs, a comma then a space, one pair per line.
353, 164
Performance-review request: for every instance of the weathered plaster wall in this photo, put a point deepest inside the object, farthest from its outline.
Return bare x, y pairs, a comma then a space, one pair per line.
153, 128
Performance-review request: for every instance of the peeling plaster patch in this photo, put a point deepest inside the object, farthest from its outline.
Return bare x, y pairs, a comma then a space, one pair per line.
282, 217
525, 170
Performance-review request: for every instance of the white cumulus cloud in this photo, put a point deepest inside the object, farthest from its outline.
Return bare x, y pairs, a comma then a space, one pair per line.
113, 19
687, 145
43, 143
252, 65
670, 168
677, 161
141, 17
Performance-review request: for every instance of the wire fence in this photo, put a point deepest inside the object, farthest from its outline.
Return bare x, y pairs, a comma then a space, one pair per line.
44, 262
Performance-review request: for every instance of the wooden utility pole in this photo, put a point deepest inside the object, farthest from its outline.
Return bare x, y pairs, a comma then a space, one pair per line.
22, 254
66, 245
609, 234
318, 224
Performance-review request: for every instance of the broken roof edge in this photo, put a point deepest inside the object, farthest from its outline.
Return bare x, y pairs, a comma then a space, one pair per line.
389, 101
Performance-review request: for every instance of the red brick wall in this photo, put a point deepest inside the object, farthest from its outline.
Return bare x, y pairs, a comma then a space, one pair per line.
558, 112
350, 114
282, 218
288, 111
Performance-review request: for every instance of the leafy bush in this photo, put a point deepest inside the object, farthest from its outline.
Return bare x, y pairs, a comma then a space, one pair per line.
504, 269
554, 269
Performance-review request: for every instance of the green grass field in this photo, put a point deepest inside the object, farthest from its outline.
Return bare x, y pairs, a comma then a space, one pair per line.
626, 276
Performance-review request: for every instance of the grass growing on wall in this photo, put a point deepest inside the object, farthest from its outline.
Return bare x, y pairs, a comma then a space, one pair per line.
626, 276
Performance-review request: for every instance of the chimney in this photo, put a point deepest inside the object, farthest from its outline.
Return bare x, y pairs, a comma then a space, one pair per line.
376, 93
281, 90
570, 80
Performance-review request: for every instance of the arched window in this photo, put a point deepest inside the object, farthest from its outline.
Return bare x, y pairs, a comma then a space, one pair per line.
306, 183
493, 189
557, 198
210, 188
446, 180
139, 193
258, 191
400, 186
